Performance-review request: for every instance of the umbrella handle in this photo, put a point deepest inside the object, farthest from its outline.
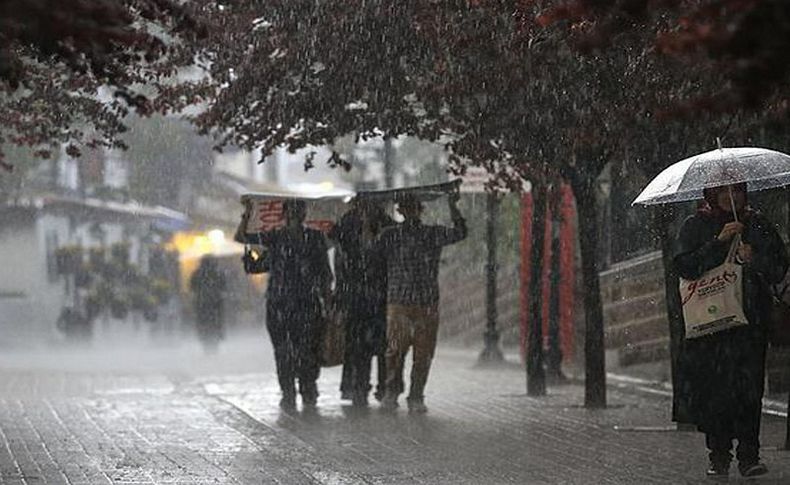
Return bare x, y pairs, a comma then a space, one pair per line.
732, 254
732, 204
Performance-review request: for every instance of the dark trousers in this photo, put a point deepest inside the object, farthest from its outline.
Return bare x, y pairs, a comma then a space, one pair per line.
365, 338
295, 327
746, 432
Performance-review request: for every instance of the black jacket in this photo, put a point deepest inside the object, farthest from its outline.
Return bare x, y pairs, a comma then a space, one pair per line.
299, 262
726, 370
361, 275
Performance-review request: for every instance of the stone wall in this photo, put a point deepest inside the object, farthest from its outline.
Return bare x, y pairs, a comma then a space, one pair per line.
635, 318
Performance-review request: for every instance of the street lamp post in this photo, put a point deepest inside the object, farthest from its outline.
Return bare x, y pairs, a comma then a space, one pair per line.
536, 374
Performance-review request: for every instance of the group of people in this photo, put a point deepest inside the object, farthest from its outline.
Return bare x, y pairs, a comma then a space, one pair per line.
386, 287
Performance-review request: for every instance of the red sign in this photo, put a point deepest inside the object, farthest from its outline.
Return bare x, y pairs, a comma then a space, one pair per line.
268, 214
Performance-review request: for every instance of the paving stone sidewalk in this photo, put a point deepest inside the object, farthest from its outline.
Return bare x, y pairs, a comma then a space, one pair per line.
186, 419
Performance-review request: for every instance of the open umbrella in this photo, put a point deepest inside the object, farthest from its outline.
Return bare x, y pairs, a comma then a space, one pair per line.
685, 180
325, 204
424, 193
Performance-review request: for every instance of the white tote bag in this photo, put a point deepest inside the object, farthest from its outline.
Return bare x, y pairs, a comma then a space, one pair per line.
714, 301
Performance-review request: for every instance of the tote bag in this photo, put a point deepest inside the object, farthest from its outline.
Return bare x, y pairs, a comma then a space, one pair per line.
714, 301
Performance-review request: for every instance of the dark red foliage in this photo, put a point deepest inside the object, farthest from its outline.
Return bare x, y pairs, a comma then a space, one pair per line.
745, 40
483, 77
64, 52
101, 36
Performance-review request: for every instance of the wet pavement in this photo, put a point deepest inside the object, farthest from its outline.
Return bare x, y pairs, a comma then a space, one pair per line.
169, 415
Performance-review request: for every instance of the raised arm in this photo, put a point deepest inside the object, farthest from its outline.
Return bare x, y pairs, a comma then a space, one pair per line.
696, 251
458, 232
244, 237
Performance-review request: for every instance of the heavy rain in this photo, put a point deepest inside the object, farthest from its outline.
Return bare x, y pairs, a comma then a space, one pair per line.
394, 242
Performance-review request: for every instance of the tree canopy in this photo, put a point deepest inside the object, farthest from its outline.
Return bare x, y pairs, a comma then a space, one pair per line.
492, 80
515, 80
746, 41
70, 70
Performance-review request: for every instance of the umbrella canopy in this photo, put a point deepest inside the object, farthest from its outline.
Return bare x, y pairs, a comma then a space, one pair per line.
424, 193
685, 180
325, 204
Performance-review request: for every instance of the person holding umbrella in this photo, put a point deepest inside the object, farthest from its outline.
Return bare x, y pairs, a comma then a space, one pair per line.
362, 293
299, 285
726, 369
728, 255
412, 250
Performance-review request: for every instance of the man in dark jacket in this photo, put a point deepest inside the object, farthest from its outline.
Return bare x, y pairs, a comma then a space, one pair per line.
726, 370
412, 250
208, 286
299, 284
362, 295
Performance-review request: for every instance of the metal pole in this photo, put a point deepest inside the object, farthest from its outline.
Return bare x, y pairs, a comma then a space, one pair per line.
491, 352
536, 374
389, 170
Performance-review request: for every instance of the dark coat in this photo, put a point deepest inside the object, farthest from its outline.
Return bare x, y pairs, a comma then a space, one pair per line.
726, 370
362, 277
361, 286
299, 264
208, 285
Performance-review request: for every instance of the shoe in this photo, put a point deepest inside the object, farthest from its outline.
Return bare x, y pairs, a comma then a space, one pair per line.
389, 404
417, 406
378, 395
360, 401
753, 470
309, 392
718, 470
309, 400
288, 404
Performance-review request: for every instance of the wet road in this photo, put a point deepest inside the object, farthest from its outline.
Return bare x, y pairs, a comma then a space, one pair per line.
168, 414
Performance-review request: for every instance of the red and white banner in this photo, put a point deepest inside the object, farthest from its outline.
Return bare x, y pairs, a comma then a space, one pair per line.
267, 214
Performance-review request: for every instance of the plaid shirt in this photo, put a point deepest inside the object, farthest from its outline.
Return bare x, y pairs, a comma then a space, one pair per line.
412, 252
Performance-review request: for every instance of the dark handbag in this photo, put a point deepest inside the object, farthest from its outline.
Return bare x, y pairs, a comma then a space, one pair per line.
255, 262
333, 343
779, 320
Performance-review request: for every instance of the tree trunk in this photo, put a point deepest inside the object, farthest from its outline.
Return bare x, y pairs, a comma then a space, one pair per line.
787, 418
594, 356
536, 376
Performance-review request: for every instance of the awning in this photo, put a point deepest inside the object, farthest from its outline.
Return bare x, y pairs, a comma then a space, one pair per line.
162, 218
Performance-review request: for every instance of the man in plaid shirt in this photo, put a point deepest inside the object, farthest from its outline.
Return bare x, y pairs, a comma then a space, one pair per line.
412, 250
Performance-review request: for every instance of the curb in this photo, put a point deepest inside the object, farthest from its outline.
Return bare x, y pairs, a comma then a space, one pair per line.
771, 407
